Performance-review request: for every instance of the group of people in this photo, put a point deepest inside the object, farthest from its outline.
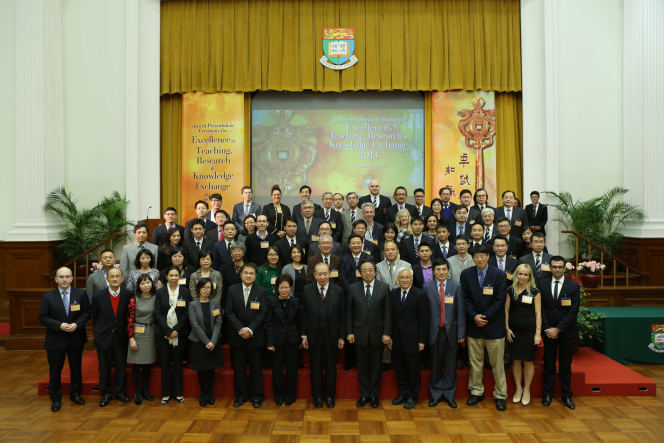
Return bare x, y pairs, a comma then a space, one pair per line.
392, 284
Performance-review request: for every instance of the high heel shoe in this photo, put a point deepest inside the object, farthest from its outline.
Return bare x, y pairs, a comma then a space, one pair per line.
165, 400
517, 398
146, 396
137, 400
202, 400
524, 401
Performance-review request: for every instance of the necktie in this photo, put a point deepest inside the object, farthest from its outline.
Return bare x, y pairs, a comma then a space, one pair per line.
481, 276
142, 247
65, 301
501, 266
487, 235
538, 265
374, 201
441, 294
460, 230
246, 296
555, 291
220, 234
246, 210
392, 273
368, 294
463, 263
326, 261
445, 252
417, 246
198, 245
292, 242
508, 214
535, 211
352, 217
322, 294
307, 224
357, 259
403, 298
419, 211
327, 215
445, 206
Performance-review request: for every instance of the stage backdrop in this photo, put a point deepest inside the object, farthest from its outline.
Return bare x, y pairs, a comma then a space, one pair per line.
213, 152
464, 143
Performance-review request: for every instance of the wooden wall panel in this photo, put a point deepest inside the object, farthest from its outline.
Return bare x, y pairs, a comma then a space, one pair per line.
626, 296
647, 254
27, 265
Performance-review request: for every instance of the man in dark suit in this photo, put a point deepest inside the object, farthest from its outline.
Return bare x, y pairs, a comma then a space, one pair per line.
516, 215
325, 245
447, 329
195, 244
109, 317
159, 233
539, 261
369, 326
305, 194
221, 250
64, 312
421, 209
501, 260
444, 248
246, 309
485, 291
448, 210
284, 244
338, 200
323, 331
515, 246
488, 225
258, 243
324, 228
215, 206
400, 195
360, 228
330, 215
244, 208
201, 207
410, 245
307, 225
213, 234
410, 329
561, 299
460, 223
537, 213
381, 202
476, 238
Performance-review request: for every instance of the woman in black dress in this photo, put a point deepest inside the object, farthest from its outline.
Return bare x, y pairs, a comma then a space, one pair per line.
206, 356
276, 213
523, 321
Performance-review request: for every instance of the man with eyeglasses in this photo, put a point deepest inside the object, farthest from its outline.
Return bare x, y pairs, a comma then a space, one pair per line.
323, 229
539, 261
307, 226
324, 255
328, 213
400, 195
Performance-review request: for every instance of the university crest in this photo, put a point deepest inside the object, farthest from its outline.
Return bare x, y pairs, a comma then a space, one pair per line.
338, 46
657, 337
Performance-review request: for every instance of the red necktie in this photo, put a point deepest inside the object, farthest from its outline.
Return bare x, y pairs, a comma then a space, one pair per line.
322, 296
221, 235
442, 304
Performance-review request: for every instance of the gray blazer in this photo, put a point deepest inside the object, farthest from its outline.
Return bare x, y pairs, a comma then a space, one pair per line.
197, 321
368, 322
129, 253
530, 261
238, 213
456, 268
383, 271
290, 270
96, 282
455, 313
348, 228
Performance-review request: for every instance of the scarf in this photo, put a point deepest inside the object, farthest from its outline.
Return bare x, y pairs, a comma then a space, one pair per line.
171, 318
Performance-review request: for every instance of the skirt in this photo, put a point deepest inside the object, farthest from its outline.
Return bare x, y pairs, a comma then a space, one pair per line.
204, 360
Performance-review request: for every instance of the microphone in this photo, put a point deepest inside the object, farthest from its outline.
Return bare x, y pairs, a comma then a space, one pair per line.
148, 213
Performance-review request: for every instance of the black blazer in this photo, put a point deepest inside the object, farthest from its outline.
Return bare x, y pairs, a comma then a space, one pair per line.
213, 234
516, 247
239, 315
453, 230
519, 219
159, 234
451, 250
554, 314
209, 224
335, 221
229, 277
221, 256
383, 205
161, 308
52, 314
283, 244
490, 305
368, 247
426, 211
347, 270
275, 221
368, 322
297, 210
391, 213
537, 220
336, 321
407, 248
105, 322
510, 266
255, 253
418, 275
280, 328
191, 251
410, 321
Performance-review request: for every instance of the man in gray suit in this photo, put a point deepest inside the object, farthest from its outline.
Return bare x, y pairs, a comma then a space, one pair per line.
246, 207
130, 251
462, 260
350, 216
307, 226
539, 261
447, 328
97, 281
314, 249
516, 216
369, 326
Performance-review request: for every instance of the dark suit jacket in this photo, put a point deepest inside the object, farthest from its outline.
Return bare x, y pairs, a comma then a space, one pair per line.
297, 210
276, 224
410, 321
391, 213
279, 327
283, 244
407, 248
453, 230
519, 219
554, 315
191, 251
336, 309
368, 322
255, 253
516, 248
161, 308
313, 229
348, 270
451, 250
335, 220
384, 204
490, 305
52, 314
314, 249
476, 214
368, 247
221, 256
187, 227
240, 315
238, 213
425, 212
159, 234
318, 258
377, 232
530, 260
229, 277
105, 321
418, 275
510, 266
540, 219
213, 234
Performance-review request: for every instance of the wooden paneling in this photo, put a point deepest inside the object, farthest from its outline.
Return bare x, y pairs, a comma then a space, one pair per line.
647, 254
626, 296
27, 265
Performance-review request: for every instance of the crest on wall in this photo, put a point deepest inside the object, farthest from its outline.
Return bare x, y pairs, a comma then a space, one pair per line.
657, 338
338, 46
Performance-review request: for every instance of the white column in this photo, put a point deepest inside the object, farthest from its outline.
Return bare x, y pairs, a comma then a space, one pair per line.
40, 157
643, 113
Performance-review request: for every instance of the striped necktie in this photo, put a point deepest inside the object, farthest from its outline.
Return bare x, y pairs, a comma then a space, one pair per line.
538, 265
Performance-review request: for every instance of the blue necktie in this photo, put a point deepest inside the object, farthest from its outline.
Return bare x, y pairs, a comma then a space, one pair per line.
481, 279
417, 246
65, 301
403, 298
246, 210
445, 252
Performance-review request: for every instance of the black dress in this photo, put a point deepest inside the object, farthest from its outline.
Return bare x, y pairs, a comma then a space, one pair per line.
201, 358
523, 324
300, 279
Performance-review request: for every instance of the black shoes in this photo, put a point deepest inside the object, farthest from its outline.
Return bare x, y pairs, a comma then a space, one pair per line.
434, 402
374, 403
385, 367
329, 402
569, 403
146, 395
104, 401
138, 400
289, 403
501, 404
122, 397
210, 398
238, 402
55, 406
399, 400
459, 364
202, 400
257, 403
77, 399
474, 399
410, 403
361, 402
452, 403
546, 400
279, 402
318, 403
348, 366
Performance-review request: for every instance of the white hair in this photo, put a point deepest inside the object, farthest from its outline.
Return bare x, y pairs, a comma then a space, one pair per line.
410, 270
487, 210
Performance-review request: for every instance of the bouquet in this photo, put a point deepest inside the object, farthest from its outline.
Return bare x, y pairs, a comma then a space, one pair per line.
97, 266
591, 267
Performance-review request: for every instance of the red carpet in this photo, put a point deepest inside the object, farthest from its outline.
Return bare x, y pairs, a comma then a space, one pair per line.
4, 329
592, 374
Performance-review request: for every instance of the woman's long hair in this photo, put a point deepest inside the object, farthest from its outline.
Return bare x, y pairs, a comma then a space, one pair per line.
515, 280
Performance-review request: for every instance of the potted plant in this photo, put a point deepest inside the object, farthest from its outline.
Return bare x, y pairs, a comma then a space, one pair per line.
589, 322
591, 273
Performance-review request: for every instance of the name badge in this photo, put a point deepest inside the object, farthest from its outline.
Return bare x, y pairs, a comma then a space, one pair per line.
315, 238
487, 290
334, 225
517, 223
139, 329
215, 312
367, 252
357, 273
527, 299
255, 305
565, 302
214, 285
181, 304
265, 245
273, 280
182, 281
509, 276
471, 221
375, 242
546, 268
75, 307
334, 274
449, 300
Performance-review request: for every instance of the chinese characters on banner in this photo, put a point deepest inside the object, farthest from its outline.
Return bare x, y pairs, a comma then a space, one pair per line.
463, 143
213, 152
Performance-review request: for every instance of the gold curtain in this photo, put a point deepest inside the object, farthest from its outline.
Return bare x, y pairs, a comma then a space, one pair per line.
411, 45
171, 152
509, 139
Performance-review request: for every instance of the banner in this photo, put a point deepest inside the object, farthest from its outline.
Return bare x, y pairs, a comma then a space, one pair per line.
213, 154
463, 143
